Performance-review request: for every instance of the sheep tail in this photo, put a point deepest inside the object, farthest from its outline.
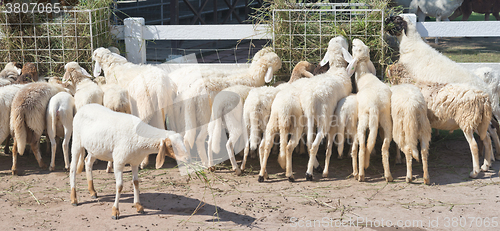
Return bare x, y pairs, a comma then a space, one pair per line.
283, 147
19, 124
217, 122
410, 123
254, 130
373, 126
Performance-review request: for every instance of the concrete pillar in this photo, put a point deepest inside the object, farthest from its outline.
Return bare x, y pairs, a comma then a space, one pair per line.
135, 45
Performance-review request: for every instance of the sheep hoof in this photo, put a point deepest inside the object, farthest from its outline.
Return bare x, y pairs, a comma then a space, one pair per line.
114, 217
318, 169
237, 172
66, 169
390, 179
291, 179
485, 168
43, 166
140, 208
408, 180
211, 169
14, 172
51, 168
109, 170
261, 179
94, 196
361, 178
74, 204
309, 177
325, 175
473, 174
115, 214
427, 181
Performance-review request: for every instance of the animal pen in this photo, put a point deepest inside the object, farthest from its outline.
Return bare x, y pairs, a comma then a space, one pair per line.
50, 40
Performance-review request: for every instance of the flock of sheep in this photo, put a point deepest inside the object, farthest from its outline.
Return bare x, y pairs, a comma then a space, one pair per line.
122, 118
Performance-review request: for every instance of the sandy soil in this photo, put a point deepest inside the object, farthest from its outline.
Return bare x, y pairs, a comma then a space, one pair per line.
39, 199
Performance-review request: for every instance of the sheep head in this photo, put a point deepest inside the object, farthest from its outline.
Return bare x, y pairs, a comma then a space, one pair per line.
395, 25
11, 71
75, 73
334, 56
361, 54
303, 68
261, 53
103, 56
13, 66
267, 65
169, 147
28, 74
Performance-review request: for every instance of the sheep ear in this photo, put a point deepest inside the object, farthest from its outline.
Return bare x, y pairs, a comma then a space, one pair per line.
160, 157
85, 72
119, 57
325, 59
66, 77
97, 69
352, 67
269, 75
371, 68
347, 56
18, 70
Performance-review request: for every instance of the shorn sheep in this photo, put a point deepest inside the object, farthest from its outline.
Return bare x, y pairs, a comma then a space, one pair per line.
60, 112
28, 118
9, 73
410, 126
228, 108
123, 139
151, 92
195, 102
319, 97
374, 110
257, 108
344, 125
87, 91
455, 97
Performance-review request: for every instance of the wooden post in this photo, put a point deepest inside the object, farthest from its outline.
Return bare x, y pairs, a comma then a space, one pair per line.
135, 44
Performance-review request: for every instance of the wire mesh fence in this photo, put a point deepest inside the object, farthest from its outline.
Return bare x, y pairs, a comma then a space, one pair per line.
303, 34
50, 40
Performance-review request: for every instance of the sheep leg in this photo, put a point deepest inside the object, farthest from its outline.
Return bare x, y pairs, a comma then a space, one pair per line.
496, 141
264, 151
313, 151
386, 123
145, 162
115, 212
328, 154
35, 148
292, 143
424, 148
245, 155
362, 126
229, 146
310, 131
65, 146
200, 144
14, 158
109, 168
398, 155
488, 153
474, 151
354, 155
76, 154
53, 144
409, 158
89, 162
6, 149
135, 178
210, 154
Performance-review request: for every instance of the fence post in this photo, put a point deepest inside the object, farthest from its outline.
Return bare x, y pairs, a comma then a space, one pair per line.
412, 17
135, 45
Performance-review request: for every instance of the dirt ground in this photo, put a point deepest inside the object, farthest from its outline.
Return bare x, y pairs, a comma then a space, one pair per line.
39, 199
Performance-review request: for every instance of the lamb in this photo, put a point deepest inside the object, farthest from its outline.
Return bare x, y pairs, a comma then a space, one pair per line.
28, 118
440, 9
374, 109
228, 106
116, 98
344, 123
7, 94
86, 90
257, 108
151, 92
60, 112
123, 139
195, 102
9, 73
319, 97
28, 74
410, 126
452, 93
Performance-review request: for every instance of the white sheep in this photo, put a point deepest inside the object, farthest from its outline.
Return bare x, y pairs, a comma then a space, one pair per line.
9, 74
228, 107
344, 125
257, 107
195, 101
86, 91
7, 94
410, 126
60, 112
123, 139
28, 118
115, 98
374, 109
319, 97
461, 93
440, 9
151, 92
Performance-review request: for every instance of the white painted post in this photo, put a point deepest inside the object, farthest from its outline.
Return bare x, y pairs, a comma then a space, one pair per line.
135, 45
412, 17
